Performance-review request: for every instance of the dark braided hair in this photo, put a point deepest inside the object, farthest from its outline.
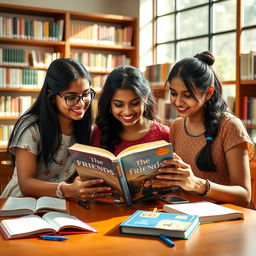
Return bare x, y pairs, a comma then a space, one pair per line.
197, 72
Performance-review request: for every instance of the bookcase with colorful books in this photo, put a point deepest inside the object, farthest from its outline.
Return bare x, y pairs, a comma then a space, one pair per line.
245, 102
31, 38
103, 42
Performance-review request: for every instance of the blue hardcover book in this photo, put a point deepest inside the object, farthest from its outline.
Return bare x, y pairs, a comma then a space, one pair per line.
160, 223
131, 174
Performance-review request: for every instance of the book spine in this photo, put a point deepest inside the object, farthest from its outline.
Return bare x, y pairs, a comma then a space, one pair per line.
123, 182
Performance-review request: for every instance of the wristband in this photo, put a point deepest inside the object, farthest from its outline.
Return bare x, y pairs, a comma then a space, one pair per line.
58, 189
208, 186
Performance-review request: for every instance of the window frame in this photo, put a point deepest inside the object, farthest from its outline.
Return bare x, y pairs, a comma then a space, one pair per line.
210, 35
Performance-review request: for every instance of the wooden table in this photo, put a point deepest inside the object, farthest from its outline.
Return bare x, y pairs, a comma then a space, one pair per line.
236, 238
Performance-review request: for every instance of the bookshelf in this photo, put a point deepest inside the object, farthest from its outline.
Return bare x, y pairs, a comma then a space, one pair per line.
31, 38
243, 87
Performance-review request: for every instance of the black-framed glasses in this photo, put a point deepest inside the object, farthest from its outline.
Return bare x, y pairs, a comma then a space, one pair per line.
72, 100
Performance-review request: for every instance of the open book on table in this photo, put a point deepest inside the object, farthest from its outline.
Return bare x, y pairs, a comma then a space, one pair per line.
207, 211
29, 205
131, 174
49, 223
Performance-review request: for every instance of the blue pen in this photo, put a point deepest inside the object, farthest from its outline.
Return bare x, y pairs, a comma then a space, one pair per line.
53, 238
167, 240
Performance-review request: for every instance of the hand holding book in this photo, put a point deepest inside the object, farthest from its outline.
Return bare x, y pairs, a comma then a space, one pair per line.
177, 173
131, 174
91, 189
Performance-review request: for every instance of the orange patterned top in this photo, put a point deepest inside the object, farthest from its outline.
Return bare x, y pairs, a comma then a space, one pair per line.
231, 133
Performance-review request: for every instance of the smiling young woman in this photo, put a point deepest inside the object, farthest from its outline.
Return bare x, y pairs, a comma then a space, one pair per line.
126, 112
212, 148
40, 140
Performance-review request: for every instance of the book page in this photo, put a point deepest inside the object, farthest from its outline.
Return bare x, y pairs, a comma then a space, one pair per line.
141, 169
25, 226
21, 205
61, 220
51, 203
142, 147
93, 150
202, 209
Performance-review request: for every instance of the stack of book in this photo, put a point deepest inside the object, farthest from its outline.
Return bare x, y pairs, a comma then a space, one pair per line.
248, 66
157, 74
249, 110
55, 219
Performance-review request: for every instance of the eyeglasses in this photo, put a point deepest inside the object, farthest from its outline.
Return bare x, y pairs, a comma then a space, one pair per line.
72, 100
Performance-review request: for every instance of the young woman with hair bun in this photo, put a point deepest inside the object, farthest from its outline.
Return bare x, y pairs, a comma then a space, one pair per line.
212, 147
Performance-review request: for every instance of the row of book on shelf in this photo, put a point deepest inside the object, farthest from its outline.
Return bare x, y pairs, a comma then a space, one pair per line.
31, 28
50, 30
21, 78
24, 57
96, 61
34, 78
15, 105
95, 33
5, 133
98, 81
248, 65
99, 61
165, 111
249, 110
157, 74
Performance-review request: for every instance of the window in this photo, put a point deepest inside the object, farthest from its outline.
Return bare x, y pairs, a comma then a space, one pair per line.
187, 27
248, 26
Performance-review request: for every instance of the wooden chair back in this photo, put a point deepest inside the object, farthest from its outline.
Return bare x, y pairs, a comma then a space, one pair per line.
253, 180
6, 169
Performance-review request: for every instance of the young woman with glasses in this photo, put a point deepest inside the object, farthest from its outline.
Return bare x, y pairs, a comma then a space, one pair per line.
60, 116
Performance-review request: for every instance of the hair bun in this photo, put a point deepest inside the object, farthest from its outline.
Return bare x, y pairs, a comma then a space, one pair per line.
206, 57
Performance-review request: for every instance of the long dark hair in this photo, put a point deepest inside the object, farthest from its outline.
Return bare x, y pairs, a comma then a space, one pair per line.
60, 74
124, 77
197, 72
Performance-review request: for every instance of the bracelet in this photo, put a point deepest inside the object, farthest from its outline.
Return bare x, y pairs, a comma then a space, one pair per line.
58, 189
208, 186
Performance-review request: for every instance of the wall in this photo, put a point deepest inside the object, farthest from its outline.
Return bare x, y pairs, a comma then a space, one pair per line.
145, 34
122, 7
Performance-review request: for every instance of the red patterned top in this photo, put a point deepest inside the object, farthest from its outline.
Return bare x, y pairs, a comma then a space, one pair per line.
157, 132
231, 133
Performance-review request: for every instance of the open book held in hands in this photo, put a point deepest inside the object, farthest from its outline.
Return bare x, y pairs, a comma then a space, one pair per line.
207, 211
50, 223
29, 205
160, 223
131, 174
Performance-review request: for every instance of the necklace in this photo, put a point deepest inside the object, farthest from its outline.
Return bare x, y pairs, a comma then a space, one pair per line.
186, 131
